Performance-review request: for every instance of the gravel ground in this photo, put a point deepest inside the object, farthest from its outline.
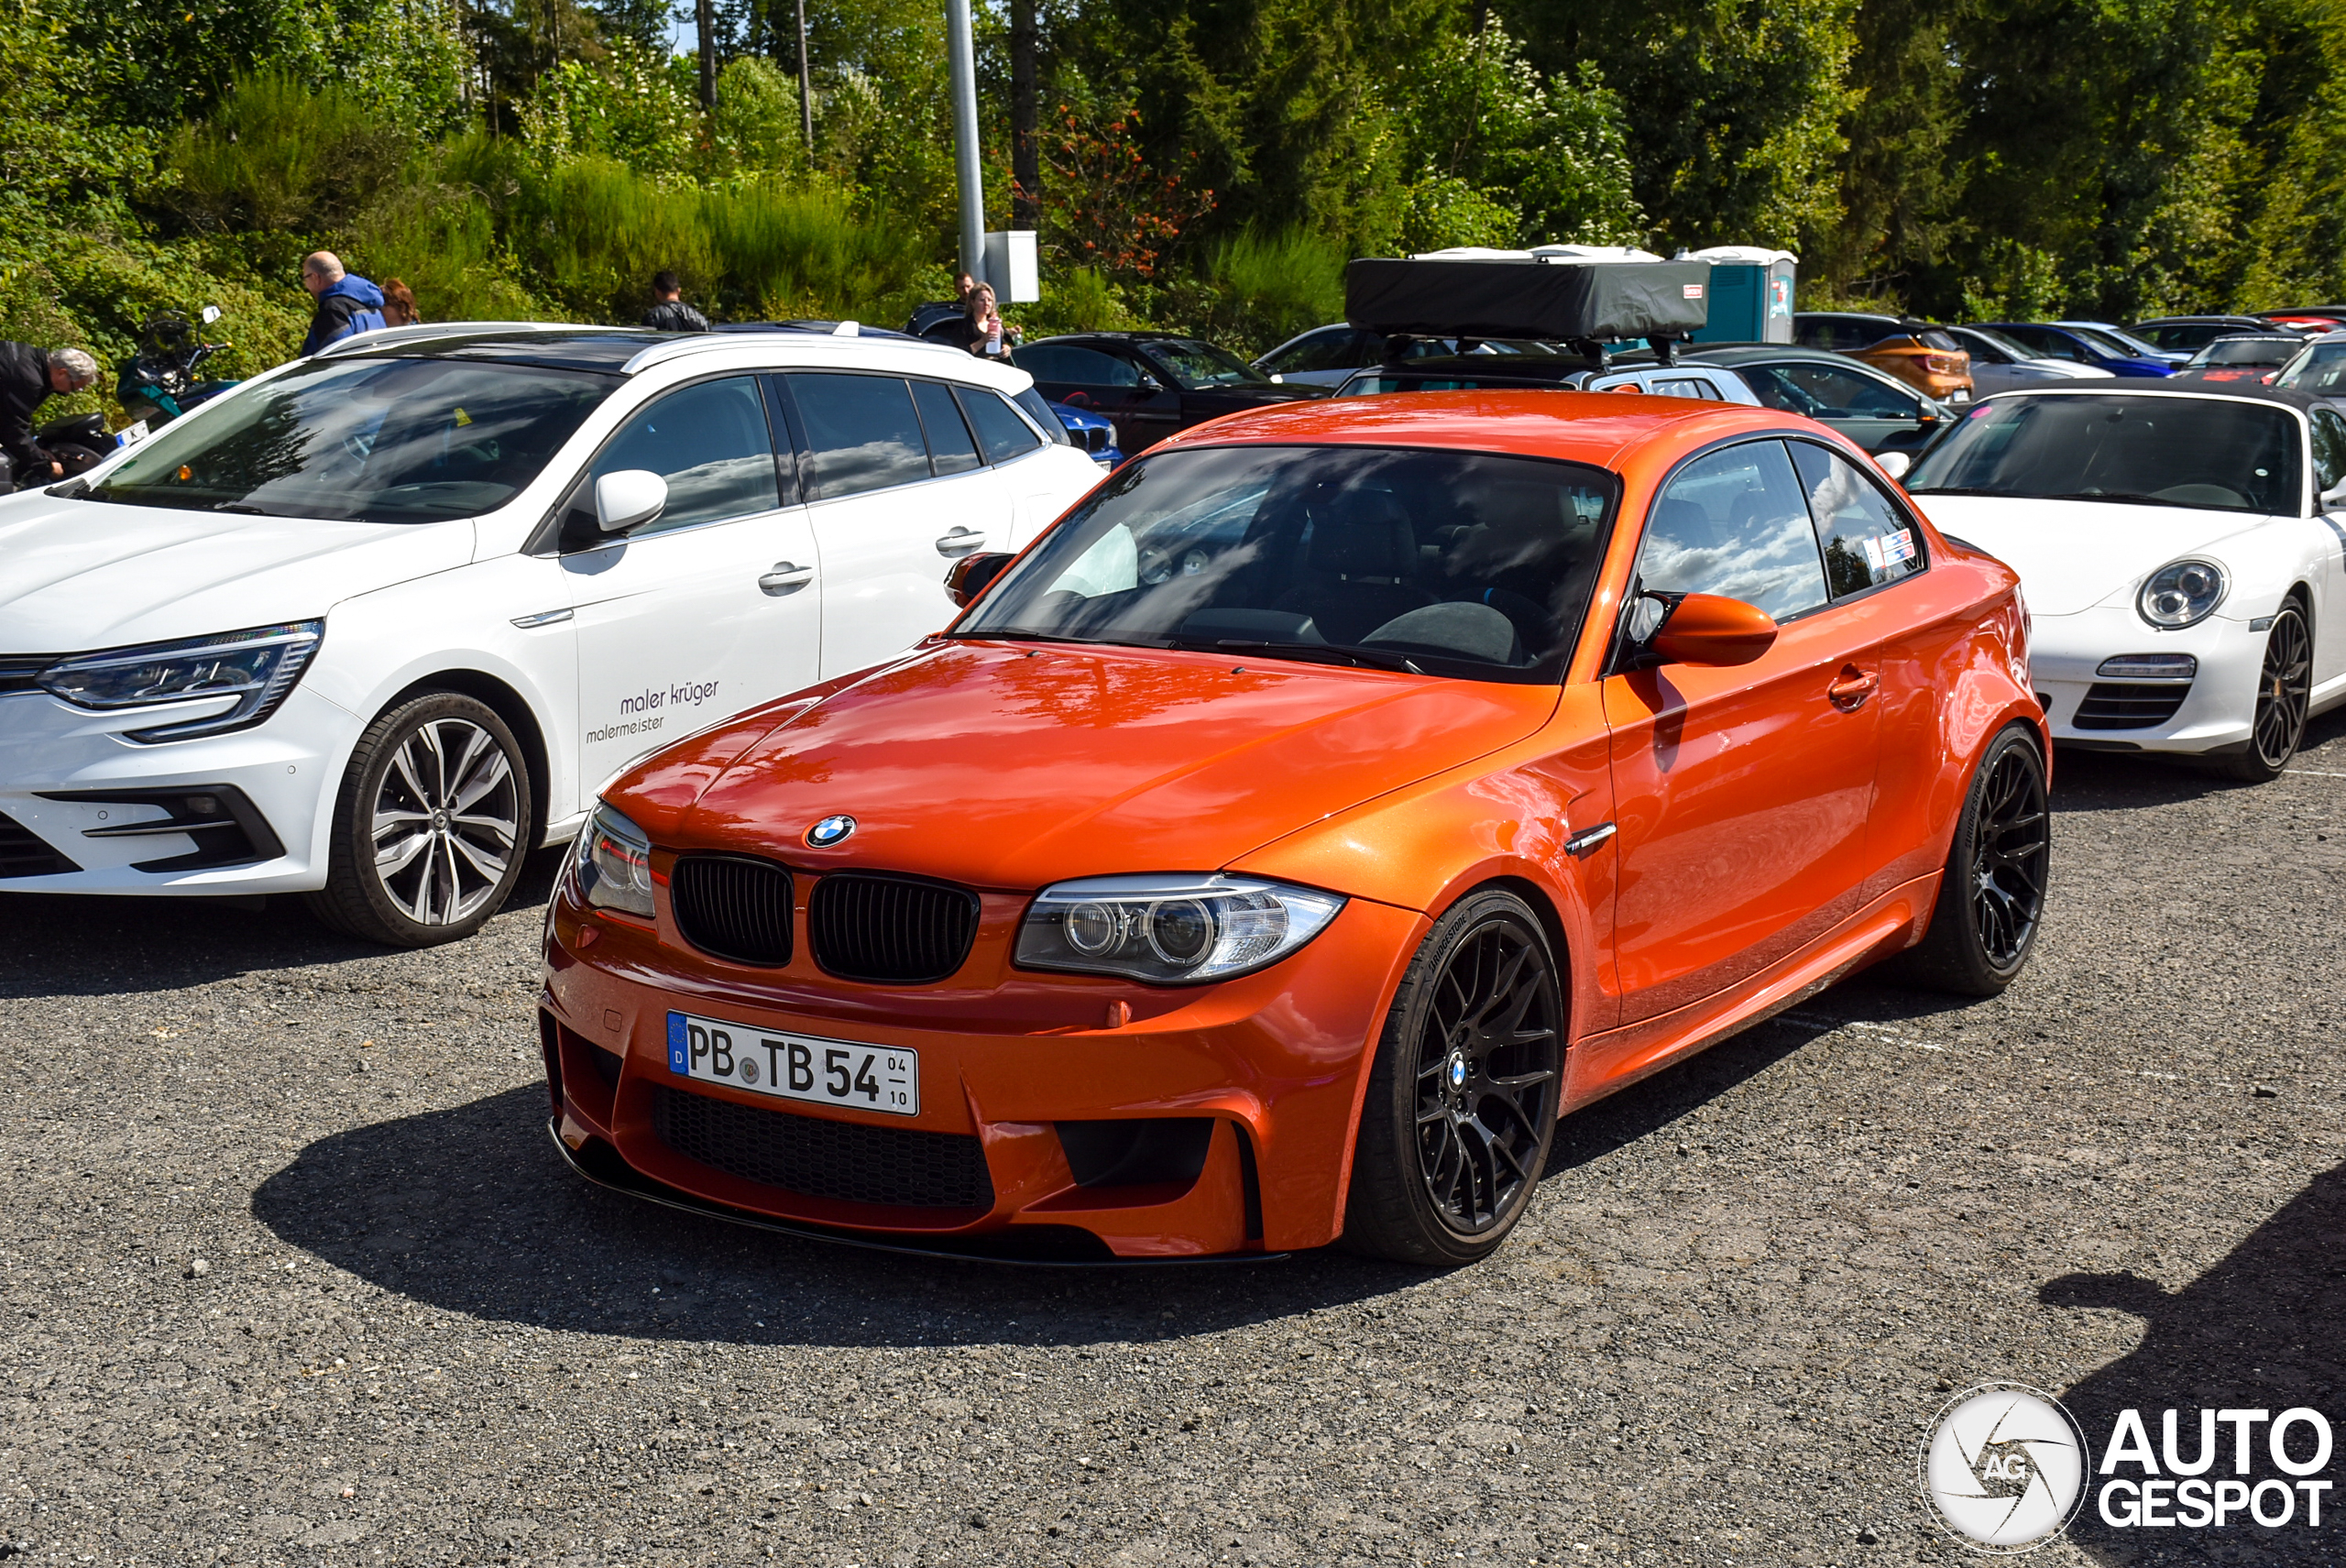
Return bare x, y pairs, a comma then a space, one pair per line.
311, 1285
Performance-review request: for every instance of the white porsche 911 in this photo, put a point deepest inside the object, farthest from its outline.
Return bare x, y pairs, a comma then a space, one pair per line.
2183, 551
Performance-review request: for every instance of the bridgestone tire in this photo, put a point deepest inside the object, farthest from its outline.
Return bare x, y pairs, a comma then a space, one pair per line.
1992, 900
1462, 1098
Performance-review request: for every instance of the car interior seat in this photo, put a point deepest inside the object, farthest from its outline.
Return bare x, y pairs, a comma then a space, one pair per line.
1359, 565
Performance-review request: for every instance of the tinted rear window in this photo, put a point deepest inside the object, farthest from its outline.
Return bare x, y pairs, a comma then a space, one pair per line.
861, 432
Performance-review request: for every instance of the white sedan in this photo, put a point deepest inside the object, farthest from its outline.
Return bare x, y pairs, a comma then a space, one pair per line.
2183, 551
371, 627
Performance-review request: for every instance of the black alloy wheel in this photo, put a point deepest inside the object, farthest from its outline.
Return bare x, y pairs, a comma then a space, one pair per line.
2283, 696
1462, 1099
1992, 900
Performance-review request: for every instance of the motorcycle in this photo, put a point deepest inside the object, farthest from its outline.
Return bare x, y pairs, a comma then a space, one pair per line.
159, 383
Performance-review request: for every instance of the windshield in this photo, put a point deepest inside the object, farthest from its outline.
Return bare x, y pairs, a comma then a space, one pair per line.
2247, 351
2111, 341
1193, 365
1442, 562
2175, 451
2322, 370
371, 440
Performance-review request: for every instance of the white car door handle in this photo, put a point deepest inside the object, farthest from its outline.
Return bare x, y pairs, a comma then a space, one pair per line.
961, 542
786, 575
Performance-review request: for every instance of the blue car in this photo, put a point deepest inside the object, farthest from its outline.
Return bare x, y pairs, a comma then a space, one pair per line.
2099, 347
1091, 433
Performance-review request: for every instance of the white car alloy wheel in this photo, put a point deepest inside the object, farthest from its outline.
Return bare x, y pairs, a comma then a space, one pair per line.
2284, 693
431, 828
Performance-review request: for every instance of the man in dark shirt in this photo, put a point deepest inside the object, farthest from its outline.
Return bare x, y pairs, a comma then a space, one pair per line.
348, 303
28, 377
669, 313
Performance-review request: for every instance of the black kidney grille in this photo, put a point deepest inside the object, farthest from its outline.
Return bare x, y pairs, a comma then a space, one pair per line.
849, 1161
893, 930
2125, 706
732, 907
24, 852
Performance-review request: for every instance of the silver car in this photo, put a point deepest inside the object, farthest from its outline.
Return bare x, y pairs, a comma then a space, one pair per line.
2000, 365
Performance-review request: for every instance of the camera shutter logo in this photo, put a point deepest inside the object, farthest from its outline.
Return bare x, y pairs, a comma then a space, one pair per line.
2004, 1467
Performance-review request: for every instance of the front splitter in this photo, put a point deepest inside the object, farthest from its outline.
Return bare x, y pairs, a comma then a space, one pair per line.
605, 1169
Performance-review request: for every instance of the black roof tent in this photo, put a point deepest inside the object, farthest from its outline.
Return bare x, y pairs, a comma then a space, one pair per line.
1582, 303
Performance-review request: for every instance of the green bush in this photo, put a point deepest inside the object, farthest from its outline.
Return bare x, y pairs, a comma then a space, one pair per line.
1267, 288
278, 157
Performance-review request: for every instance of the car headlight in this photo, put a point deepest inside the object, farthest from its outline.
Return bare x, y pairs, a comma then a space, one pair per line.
613, 863
2181, 594
1170, 930
258, 667
1115, 438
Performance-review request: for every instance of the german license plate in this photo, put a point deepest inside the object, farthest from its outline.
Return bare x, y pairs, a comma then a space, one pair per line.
794, 1067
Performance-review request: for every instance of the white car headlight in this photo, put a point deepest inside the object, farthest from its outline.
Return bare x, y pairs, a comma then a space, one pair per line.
258, 667
2181, 594
1170, 930
613, 863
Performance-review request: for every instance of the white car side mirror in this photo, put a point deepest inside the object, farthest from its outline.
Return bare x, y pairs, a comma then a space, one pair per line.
1893, 463
2334, 498
629, 498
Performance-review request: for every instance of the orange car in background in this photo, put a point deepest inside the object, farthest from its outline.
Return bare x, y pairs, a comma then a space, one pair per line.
1336, 797
1924, 357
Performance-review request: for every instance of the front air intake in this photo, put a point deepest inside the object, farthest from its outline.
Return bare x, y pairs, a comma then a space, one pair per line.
850, 1162
732, 907
2110, 705
890, 930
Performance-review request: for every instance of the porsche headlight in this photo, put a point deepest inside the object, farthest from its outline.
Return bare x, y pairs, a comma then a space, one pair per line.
2181, 594
613, 863
258, 667
1170, 930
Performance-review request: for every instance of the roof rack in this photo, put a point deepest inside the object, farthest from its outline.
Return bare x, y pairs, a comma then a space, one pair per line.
367, 342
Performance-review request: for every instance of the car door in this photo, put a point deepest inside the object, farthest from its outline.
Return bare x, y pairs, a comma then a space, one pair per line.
2329, 428
712, 607
1741, 793
1107, 381
1037, 490
896, 491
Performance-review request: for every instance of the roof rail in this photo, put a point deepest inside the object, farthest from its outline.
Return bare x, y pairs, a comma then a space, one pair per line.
356, 342
690, 343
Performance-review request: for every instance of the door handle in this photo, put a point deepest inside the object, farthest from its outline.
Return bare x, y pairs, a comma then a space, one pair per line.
961, 542
1586, 842
1849, 691
786, 577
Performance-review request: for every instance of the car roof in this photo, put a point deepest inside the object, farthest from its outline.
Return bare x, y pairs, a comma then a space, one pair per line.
1121, 336
1733, 354
2190, 321
1845, 315
1588, 427
621, 351
2250, 391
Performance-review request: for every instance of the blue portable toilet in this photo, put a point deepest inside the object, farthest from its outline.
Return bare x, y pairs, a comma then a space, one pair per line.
1751, 293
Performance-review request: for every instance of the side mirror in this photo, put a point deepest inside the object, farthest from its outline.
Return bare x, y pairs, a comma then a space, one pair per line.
2334, 498
629, 498
211, 315
1707, 629
1894, 464
972, 575
1149, 383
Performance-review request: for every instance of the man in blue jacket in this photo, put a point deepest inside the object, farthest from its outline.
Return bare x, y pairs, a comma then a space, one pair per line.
348, 303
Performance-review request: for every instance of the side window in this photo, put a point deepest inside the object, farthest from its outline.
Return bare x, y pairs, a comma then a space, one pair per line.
1734, 522
1068, 362
713, 445
2328, 451
1866, 542
1000, 430
1845, 394
1686, 387
950, 450
1332, 349
861, 433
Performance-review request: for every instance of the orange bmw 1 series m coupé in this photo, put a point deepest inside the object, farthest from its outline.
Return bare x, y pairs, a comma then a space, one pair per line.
1272, 853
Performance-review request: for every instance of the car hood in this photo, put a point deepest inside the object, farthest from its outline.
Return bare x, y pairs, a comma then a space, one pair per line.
2071, 555
84, 575
1011, 766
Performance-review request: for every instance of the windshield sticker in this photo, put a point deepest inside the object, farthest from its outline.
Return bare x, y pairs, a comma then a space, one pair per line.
462, 419
1889, 549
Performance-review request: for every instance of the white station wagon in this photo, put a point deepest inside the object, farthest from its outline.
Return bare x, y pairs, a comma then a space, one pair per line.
373, 625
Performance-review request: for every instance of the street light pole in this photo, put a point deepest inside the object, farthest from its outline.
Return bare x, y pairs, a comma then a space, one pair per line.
806, 84
962, 59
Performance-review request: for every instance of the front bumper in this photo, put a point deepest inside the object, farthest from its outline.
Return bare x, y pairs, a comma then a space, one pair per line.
1267, 1069
286, 770
2212, 712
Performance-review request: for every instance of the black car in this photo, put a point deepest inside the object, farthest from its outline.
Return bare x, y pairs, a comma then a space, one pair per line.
2189, 335
1152, 384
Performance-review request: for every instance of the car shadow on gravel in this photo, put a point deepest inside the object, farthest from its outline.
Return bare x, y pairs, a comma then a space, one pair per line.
472, 1211
2256, 1331
78, 945
2121, 781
